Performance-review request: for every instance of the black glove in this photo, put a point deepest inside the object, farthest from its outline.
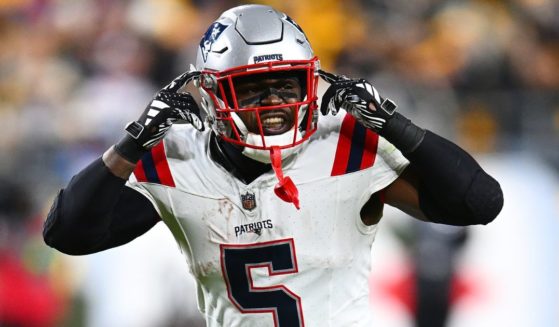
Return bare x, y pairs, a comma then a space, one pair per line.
167, 106
356, 96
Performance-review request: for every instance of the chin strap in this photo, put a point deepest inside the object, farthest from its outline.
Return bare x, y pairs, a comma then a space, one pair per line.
285, 189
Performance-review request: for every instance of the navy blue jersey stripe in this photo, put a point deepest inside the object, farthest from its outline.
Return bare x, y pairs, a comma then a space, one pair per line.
149, 168
357, 147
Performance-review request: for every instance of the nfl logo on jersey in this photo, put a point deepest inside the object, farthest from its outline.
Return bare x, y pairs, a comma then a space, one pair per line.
249, 201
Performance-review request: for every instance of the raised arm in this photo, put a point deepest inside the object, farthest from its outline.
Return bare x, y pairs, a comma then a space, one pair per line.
97, 211
443, 183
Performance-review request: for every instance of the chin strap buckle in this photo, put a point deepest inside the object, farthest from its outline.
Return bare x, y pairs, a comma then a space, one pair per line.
285, 189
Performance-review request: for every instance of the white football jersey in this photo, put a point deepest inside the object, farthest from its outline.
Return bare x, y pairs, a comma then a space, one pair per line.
257, 260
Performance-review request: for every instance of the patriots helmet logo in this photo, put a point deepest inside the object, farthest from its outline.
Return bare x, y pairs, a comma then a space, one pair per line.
211, 35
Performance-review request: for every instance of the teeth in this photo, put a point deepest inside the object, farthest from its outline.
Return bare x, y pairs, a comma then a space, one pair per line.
273, 121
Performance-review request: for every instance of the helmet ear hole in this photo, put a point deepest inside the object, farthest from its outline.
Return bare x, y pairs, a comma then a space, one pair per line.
208, 81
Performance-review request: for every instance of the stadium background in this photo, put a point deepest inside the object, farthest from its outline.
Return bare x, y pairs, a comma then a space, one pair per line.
484, 73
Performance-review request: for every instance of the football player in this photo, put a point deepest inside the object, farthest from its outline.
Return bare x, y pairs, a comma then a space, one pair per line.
274, 207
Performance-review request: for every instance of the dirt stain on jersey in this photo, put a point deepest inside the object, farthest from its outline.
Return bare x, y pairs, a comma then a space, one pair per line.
225, 209
217, 220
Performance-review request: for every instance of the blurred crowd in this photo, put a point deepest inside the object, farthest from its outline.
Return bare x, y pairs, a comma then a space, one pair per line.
72, 73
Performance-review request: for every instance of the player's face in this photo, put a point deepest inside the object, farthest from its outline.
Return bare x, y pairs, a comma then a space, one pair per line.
267, 90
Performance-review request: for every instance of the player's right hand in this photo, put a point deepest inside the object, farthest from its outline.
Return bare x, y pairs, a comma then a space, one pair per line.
167, 106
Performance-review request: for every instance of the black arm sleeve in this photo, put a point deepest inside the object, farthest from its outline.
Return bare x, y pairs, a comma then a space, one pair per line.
95, 212
453, 188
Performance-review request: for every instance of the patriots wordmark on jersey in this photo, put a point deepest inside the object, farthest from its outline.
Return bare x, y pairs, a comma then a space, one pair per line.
259, 261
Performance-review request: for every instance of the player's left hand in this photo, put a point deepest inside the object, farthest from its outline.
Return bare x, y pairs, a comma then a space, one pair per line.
359, 98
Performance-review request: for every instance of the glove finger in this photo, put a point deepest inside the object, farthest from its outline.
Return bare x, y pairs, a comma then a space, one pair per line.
181, 80
364, 85
190, 116
330, 77
334, 109
328, 95
195, 121
365, 96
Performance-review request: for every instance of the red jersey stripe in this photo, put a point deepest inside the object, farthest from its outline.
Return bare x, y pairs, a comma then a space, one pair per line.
370, 150
344, 146
139, 172
161, 165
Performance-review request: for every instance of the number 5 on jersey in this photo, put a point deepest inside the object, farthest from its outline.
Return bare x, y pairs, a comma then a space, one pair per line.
237, 261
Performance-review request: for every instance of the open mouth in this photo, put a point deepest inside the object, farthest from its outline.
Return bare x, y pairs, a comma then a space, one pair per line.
276, 122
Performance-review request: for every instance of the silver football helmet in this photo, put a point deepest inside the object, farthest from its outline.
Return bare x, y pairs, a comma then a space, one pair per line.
252, 42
